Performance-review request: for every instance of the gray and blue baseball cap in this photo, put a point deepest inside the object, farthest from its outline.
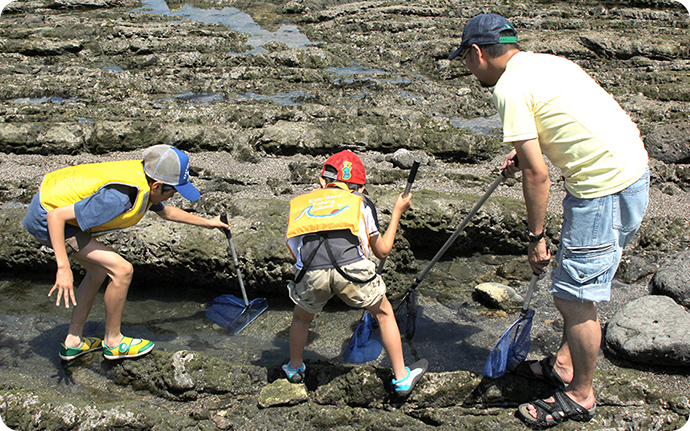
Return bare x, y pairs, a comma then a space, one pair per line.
485, 29
170, 166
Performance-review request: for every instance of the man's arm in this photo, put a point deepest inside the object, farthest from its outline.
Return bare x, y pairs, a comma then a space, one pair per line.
535, 188
178, 215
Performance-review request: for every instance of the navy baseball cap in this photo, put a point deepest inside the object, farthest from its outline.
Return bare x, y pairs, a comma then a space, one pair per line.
485, 29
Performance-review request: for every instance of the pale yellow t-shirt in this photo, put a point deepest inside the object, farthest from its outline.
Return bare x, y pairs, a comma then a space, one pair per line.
581, 128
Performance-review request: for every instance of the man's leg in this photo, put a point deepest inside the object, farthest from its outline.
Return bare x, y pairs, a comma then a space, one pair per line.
583, 336
96, 255
390, 335
583, 340
562, 363
299, 331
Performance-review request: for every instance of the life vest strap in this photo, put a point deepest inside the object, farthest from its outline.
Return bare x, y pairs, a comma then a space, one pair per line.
323, 237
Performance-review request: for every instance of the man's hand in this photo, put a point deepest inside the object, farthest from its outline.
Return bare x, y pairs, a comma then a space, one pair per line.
538, 255
509, 168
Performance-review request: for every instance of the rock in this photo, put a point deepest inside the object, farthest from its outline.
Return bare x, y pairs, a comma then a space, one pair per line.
187, 375
90, 78
673, 278
281, 392
164, 252
496, 295
190, 390
362, 386
404, 158
670, 143
634, 268
651, 330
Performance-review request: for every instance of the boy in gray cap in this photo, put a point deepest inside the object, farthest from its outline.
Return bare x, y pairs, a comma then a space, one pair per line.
550, 106
74, 205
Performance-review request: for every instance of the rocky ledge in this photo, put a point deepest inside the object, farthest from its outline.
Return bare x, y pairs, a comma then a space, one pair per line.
90, 80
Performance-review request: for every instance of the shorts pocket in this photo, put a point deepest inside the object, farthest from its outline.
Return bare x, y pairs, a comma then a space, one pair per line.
584, 264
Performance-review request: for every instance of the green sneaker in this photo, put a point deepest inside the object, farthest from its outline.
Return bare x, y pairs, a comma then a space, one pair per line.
89, 344
128, 348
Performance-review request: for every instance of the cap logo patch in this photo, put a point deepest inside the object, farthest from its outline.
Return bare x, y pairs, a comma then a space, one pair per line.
347, 170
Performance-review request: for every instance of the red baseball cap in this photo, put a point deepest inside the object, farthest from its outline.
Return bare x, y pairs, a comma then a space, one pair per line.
350, 168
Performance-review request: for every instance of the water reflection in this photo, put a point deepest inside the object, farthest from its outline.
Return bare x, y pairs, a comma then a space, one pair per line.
283, 99
39, 100
235, 20
481, 125
450, 335
355, 70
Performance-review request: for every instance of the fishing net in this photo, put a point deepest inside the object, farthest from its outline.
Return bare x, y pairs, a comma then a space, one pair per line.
406, 314
511, 348
364, 345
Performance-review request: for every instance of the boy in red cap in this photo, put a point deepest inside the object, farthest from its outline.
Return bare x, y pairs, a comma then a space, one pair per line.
75, 205
330, 231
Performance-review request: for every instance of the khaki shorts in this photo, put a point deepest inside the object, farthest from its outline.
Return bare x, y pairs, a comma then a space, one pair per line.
74, 243
319, 285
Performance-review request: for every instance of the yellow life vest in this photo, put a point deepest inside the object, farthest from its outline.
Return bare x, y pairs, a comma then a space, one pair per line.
69, 185
325, 209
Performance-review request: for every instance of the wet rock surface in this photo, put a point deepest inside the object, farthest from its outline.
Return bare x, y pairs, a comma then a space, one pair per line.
652, 329
673, 278
87, 81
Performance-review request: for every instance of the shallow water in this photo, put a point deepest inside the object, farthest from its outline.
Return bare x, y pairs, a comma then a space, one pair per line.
234, 19
449, 335
452, 335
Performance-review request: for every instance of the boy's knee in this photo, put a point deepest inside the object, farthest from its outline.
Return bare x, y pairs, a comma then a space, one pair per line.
381, 308
301, 315
123, 271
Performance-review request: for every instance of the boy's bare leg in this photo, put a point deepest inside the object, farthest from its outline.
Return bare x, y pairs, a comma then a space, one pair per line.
390, 336
97, 255
299, 331
85, 296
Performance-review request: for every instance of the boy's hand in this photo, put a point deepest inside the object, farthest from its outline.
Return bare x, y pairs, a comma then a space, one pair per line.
217, 223
64, 283
403, 203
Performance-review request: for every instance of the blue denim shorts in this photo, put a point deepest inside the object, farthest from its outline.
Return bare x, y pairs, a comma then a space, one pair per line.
593, 236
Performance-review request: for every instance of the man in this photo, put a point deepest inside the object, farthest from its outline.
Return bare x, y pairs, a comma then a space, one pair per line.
550, 106
74, 205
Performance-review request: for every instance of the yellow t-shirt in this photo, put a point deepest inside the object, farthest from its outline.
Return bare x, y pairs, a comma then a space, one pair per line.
581, 128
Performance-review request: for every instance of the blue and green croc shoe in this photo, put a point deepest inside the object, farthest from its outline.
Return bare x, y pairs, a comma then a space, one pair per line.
128, 348
89, 344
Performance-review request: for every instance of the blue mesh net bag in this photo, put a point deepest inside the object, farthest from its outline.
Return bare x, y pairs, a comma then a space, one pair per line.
511, 348
364, 346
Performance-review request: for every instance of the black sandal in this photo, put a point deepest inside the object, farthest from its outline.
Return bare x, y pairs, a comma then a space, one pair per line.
548, 373
563, 408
